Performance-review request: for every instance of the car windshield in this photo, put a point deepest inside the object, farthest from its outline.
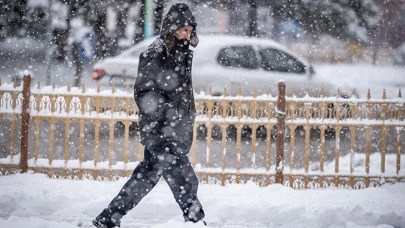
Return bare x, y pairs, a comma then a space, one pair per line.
238, 56
276, 60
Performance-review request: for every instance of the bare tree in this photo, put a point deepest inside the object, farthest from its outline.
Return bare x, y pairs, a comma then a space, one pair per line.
252, 14
122, 21
158, 16
140, 24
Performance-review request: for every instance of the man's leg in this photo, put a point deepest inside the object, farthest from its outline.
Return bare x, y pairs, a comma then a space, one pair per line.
142, 181
181, 178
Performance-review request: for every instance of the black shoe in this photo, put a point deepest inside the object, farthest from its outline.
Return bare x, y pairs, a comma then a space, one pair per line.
106, 219
102, 223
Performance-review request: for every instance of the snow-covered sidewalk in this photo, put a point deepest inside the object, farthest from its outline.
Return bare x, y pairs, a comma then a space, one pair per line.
33, 200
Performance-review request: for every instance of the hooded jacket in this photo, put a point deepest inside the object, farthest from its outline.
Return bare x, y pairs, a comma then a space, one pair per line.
163, 90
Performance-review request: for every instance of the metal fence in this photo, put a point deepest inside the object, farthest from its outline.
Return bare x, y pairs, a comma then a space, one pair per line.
329, 141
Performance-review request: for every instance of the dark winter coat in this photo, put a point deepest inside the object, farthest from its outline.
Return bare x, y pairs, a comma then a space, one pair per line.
163, 90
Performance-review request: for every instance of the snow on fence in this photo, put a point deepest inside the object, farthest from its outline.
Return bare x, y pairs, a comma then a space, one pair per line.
88, 133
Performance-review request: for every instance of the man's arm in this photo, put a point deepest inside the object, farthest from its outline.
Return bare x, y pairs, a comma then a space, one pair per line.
147, 93
146, 80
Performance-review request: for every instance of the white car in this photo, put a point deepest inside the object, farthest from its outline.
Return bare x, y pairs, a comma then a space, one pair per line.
231, 62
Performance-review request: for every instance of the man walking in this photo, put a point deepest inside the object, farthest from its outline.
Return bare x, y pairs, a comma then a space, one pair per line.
163, 92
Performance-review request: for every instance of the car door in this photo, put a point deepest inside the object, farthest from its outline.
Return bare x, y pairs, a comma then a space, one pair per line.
240, 64
124, 68
281, 65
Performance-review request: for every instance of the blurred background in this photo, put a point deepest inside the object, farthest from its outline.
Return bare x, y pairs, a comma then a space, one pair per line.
353, 42
58, 40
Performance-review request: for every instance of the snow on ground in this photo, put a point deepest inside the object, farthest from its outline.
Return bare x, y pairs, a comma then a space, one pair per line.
33, 200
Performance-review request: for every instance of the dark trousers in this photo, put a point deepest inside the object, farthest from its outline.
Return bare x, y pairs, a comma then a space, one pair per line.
179, 175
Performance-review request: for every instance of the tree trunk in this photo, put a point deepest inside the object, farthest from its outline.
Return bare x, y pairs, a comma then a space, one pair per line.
252, 14
100, 30
60, 37
17, 21
122, 21
276, 29
158, 16
237, 17
140, 24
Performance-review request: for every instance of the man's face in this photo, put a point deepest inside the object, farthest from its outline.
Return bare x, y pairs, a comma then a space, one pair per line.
184, 33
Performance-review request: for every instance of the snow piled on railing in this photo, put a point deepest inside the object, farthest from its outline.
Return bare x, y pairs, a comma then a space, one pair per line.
80, 91
70, 164
314, 167
359, 166
10, 87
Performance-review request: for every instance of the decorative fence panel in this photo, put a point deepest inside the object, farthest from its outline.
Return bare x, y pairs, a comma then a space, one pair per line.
330, 141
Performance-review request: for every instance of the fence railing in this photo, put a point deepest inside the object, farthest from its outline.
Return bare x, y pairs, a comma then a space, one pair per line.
329, 141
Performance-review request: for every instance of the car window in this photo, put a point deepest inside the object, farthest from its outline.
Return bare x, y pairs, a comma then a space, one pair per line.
238, 56
276, 60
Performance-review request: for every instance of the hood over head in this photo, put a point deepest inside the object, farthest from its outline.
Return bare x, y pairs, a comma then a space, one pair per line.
179, 15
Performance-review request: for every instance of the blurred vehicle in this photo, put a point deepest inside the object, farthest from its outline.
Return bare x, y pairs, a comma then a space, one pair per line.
230, 62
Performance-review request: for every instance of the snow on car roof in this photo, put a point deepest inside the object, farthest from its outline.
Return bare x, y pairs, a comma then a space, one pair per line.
219, 40
209, 45
237, 40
